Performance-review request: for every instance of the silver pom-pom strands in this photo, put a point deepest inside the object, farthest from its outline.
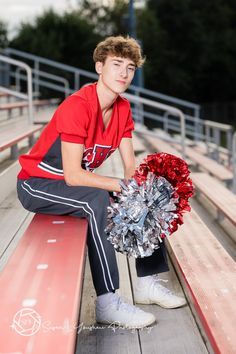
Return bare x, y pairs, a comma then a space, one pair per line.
141, 216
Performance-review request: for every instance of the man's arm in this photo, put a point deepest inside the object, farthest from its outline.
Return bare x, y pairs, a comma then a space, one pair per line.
75, 175
128, 158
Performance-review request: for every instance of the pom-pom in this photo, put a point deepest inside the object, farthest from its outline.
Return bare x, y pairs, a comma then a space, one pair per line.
150, 205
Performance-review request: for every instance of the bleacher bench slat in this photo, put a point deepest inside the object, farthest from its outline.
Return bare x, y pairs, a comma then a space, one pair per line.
223, 199
22, 104
44, 276
14, 136
209, 165
4, 94
223, 153
209, 274
164, 146
13, 105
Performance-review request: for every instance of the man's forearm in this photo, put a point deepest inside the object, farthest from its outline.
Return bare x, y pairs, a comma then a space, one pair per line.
89, 179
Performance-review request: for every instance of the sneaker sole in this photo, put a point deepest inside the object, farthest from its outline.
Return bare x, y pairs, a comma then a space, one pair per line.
148, 302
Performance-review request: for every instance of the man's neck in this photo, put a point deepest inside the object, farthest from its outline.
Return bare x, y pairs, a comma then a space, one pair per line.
105, 96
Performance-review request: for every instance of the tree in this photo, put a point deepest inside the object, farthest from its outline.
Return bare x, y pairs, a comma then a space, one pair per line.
197, 49
108, 19
67, 38
190, 45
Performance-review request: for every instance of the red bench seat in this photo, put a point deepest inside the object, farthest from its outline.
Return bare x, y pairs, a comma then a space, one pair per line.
41, 287
208, 274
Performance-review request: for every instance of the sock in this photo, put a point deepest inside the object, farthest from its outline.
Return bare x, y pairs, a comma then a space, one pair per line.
106, 299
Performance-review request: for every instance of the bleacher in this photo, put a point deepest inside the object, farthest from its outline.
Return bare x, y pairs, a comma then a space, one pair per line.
46, 287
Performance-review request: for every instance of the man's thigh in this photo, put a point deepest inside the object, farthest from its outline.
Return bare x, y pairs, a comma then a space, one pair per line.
41, 195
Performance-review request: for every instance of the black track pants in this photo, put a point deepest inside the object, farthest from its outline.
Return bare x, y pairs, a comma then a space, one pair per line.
47, 196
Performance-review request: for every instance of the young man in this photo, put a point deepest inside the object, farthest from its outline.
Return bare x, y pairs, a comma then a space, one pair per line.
57, 178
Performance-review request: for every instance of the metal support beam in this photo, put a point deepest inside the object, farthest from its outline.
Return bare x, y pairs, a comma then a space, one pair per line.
14, 152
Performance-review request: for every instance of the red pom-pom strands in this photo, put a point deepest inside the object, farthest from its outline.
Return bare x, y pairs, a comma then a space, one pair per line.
176, 171
150, 205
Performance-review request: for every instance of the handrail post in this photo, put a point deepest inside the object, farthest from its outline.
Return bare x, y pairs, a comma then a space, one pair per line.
207, 138
201, 129
29, 82
196, 124
229, 140
234, 162
165, 125
36, 76
216, 134
138, 107
67, 88
77, 81
30, 93
183, 132
17, 78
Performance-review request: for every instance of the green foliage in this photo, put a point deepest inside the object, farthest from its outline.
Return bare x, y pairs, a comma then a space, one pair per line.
196, 50
3, 35
190, 45
108, 19
67, 38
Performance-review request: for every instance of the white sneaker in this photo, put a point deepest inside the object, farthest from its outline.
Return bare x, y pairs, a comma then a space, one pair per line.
122, 314
150, 291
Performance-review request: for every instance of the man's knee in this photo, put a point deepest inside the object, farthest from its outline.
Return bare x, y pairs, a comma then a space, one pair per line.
100, 202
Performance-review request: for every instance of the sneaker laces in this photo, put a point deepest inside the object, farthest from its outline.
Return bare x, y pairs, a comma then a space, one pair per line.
156, 281
122, 305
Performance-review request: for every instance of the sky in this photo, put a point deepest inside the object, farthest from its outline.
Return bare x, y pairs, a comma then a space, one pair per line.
13, 12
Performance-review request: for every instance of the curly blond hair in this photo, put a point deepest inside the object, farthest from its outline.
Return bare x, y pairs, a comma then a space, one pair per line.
125, 47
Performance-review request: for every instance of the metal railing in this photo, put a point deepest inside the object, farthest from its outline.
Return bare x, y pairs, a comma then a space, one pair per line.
38, 73
210, 132
214, 132
166, 108
194, 127
29, 95
182, 104
37, 61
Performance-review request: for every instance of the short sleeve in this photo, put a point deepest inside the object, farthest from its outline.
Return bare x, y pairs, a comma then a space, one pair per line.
129, 126
72, 118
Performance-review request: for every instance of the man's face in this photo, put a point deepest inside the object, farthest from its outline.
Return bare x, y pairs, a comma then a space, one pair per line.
116, 73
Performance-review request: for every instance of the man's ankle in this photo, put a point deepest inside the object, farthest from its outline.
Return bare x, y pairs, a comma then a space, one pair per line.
106, 299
